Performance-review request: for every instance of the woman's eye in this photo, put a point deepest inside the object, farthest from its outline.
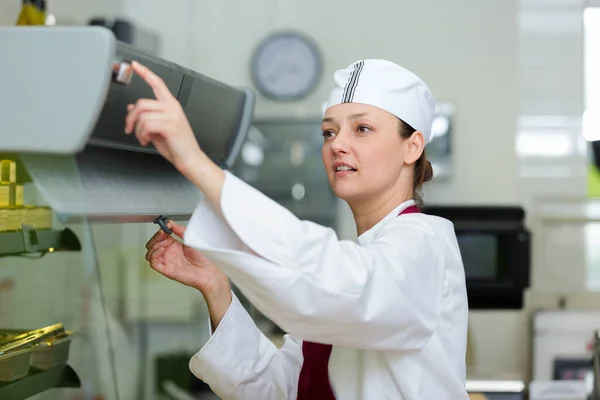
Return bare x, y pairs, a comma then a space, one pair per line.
327, 134
363, 129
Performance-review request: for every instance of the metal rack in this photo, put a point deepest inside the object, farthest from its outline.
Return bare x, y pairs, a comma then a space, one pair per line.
39, 381
30, 240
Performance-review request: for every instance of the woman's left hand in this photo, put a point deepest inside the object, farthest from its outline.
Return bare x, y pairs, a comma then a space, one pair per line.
163, 123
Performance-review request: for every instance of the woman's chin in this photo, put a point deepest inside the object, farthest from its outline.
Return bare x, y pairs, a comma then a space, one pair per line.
345, 192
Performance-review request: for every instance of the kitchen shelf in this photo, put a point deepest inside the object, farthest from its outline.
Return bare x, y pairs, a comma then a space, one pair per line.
30, 240
39, 381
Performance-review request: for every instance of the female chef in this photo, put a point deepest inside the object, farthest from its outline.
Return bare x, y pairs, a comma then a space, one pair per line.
381, 318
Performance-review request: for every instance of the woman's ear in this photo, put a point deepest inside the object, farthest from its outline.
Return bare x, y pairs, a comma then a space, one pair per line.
416, 145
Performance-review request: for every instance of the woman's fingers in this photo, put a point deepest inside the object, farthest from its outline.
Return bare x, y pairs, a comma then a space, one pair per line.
152, 123
152, 247
160, 89
138, 130
172, 265
158, 247
159, 236
152, 256
155, 247
176, 228
135, 110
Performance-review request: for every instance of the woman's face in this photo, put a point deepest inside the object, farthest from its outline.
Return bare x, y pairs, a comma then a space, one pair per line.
363, 152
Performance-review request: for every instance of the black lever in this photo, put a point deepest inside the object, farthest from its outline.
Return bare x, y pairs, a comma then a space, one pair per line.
162, 222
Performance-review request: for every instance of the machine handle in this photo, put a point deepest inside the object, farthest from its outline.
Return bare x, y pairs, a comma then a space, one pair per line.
122, 72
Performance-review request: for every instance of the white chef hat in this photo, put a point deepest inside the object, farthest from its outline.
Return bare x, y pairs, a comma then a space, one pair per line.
386, 85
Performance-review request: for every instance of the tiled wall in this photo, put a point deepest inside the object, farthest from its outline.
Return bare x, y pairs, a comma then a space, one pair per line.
550, 146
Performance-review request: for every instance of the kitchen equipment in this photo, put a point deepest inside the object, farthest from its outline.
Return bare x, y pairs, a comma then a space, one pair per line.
87, 167
596, 367
495, 247
563, 344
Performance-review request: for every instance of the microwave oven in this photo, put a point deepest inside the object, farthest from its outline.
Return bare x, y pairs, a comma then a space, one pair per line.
495, 247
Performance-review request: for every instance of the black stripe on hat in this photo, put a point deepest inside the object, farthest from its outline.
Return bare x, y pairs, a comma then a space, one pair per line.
345, 91
353, 88
351, 85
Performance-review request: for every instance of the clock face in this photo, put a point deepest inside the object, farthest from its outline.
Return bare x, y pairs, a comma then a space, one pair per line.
286, 66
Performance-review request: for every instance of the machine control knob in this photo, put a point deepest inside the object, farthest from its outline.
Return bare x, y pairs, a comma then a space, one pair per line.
122, 72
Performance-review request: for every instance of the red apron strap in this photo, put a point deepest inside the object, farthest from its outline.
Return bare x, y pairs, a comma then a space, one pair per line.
314, 382
410, 210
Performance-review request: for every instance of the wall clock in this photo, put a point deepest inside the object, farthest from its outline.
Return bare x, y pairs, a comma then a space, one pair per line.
286, 66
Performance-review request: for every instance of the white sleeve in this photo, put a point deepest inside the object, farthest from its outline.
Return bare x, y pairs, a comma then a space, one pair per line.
384, 295
239, 362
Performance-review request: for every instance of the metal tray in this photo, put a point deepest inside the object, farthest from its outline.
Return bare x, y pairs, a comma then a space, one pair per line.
15, 365
17, 339
52, 353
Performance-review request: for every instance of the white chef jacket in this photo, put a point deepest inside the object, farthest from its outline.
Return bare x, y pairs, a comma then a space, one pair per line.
393, 305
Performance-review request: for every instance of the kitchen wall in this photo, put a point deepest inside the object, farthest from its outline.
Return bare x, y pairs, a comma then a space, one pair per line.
465, 50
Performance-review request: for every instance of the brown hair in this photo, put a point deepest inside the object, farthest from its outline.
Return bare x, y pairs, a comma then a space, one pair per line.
423, 171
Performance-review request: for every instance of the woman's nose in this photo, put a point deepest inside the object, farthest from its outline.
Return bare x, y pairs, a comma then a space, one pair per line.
341, 143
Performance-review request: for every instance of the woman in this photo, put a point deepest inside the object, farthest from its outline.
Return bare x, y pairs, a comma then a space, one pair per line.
383, 318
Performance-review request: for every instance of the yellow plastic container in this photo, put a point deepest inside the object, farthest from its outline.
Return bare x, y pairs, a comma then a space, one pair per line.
7, 194
15, 216
3, 220
30, 216
37, 217
8, 171
19, 195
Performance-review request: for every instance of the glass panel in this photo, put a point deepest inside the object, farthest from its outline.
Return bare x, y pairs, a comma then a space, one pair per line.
62, 287
282, 159
591, 20
592, 255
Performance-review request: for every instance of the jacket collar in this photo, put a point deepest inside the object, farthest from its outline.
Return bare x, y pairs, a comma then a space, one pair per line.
369, 235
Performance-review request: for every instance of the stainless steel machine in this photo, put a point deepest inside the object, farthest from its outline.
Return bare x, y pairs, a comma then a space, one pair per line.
62, 110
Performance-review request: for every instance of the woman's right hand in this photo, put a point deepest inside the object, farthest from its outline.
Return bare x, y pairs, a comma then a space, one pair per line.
189, 266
